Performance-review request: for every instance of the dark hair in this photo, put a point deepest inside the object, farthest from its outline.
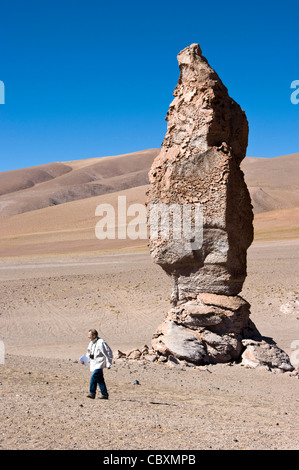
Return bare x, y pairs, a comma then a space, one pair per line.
93, 332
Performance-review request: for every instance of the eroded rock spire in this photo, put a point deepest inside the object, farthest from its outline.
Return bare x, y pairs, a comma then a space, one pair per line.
199, 168
199, 163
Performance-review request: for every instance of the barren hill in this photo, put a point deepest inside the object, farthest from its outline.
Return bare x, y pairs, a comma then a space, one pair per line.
273, 182
51, 208
42, 186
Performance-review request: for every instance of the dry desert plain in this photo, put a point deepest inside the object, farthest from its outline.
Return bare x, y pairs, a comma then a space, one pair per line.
58, 280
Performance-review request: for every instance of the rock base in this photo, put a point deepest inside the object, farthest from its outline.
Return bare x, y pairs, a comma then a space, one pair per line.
265, 354
144, 353
215, 329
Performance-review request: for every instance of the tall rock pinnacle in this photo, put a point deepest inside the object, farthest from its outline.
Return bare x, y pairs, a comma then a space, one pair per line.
199, 163
196, 181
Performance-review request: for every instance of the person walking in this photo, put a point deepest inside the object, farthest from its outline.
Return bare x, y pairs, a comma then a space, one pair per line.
100, 356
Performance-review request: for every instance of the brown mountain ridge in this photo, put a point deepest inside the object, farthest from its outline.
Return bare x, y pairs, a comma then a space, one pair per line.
51, 208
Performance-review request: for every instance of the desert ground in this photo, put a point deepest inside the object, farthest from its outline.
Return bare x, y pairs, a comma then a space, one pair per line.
58, 281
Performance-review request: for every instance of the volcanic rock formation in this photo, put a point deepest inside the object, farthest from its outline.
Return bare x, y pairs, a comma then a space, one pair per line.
199, 168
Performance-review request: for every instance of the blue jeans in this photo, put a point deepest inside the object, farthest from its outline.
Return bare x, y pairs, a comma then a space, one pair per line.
97, 377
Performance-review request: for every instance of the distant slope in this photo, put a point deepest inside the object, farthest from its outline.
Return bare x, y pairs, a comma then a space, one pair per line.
65, 228
273, 182
18, 180
38, 187
53, 211
282, 224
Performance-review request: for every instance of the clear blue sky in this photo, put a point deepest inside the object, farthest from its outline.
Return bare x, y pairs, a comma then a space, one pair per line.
94, 78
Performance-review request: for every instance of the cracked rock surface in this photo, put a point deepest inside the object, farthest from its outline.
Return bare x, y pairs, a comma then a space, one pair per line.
198, 168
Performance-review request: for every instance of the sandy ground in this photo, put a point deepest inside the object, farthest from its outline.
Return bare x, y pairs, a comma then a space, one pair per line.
47, 305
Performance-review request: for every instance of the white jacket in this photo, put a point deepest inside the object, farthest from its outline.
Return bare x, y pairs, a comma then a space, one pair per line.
102, 354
